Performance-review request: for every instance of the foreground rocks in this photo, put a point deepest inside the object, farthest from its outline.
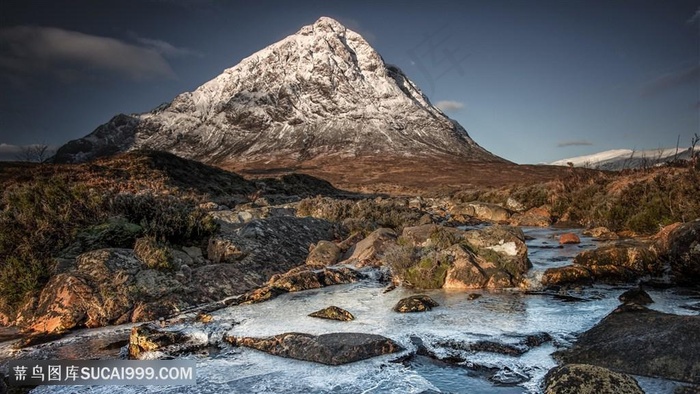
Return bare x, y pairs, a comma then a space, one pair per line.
329, 349
639, 341
433, 256
588, 379
116, 286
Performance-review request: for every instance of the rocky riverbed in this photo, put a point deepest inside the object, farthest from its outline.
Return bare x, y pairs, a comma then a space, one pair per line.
476, 341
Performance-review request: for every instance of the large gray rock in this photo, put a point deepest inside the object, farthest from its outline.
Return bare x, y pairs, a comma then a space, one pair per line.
490, 212
330, 349
369, 251
588, 379
639, 341
324, 253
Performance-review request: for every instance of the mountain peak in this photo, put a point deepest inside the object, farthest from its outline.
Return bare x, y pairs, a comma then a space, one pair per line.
326, 25
321, 92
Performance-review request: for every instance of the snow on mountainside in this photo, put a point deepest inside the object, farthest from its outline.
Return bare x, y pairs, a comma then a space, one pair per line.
321, 91
620, 159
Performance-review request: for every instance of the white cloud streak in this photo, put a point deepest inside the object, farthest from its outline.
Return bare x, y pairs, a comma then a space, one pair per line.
564, 144
28, 49
449, 105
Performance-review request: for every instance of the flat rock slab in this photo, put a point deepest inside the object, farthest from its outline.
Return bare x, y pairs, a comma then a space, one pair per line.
329, 349
639, 341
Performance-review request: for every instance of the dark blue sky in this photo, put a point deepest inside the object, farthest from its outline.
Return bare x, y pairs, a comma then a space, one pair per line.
532, 81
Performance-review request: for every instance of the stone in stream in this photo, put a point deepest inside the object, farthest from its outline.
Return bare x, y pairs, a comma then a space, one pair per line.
333, 313
588, 379
635, 296
329, 349
416, 303
569, 238
148, 338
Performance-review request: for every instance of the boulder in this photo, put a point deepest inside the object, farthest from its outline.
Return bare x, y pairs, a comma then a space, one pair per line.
369, 251
569, 238
503, 246
681, 249
588, 379
98, 291
601, 233
514, 205
489, 212
299, 279
329, 349
431, 235
416, 303
639, 341
323, 254
635, 296
621, 261
570, 274
333, 313
149, 338
467, 271
534, 217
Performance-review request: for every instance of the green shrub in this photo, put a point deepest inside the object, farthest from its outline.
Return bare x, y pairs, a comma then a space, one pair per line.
362, 215
154, 254
166, 218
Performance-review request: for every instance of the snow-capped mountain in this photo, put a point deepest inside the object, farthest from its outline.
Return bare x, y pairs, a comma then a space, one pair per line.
620, 159
321, 91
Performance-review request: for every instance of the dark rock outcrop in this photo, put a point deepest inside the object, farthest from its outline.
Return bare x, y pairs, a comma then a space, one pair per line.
635, 296
588, 379
681, 249
416, 303
330, 349
639, 341
333, 313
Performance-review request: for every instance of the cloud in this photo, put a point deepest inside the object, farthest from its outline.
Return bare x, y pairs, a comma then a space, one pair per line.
563, 144
689, 75
449, 105
695, 18
165, 48
68, 54
10, 149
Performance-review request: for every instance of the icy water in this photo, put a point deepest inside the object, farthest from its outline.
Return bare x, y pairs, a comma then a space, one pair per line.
504, 317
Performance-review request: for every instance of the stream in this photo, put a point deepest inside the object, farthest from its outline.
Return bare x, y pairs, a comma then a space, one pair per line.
504, 317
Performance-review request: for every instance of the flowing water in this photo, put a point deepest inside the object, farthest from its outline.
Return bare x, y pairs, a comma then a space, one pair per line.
504, 317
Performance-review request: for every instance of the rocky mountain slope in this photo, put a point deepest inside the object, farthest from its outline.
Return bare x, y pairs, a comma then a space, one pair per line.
322, 92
